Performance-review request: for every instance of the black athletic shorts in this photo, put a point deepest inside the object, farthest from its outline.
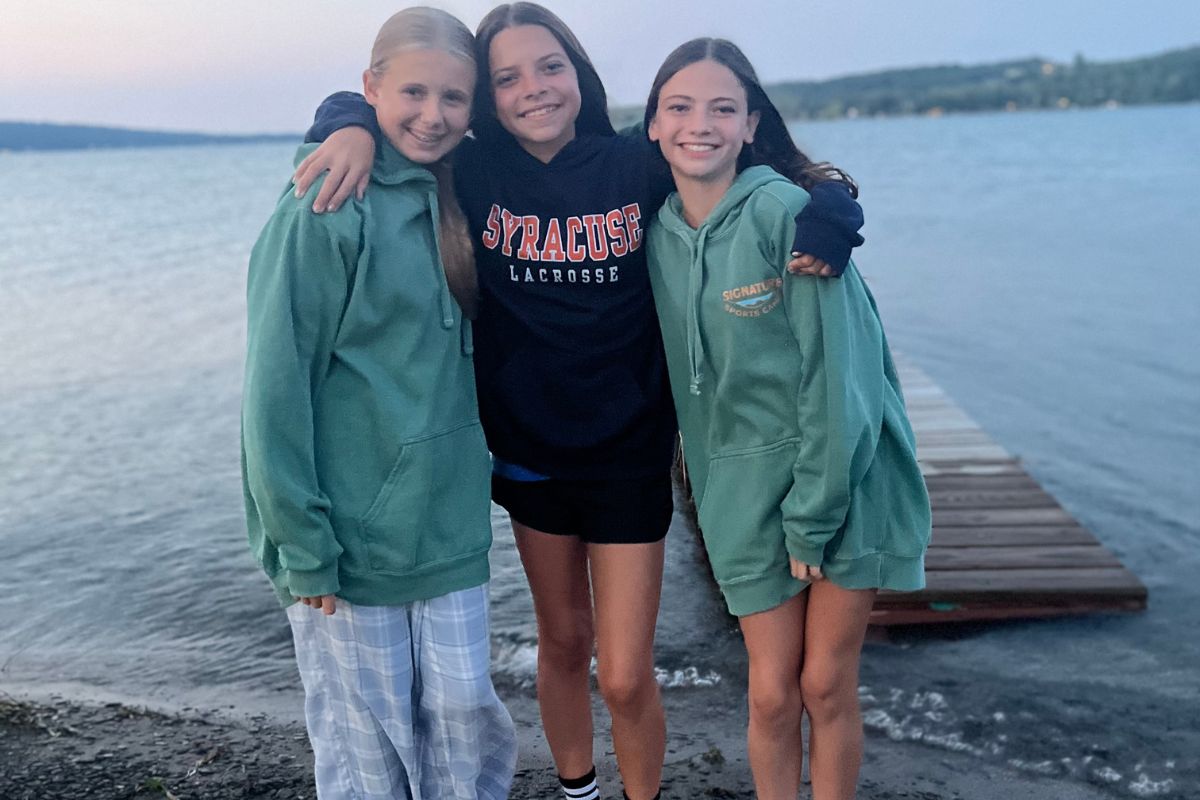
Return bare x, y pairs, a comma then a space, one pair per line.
598, 512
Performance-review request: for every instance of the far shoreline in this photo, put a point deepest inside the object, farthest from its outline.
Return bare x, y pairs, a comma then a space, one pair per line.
216, 140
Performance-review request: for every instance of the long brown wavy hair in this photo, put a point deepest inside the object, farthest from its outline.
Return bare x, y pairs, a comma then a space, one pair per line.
772, 143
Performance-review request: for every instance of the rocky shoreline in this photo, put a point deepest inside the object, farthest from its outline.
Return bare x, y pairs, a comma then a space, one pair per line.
55, 749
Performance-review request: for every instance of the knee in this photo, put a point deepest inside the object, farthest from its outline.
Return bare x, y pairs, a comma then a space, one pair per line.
566, 651
775, 705
624, 687
471, 703
827, 694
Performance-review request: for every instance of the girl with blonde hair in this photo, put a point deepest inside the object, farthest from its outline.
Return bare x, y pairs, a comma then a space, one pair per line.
365, 470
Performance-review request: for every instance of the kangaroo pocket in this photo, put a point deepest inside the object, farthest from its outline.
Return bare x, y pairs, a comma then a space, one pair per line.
433, 507
739, 512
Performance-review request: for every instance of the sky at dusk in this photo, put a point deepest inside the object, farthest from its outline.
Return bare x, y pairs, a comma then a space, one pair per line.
262, 65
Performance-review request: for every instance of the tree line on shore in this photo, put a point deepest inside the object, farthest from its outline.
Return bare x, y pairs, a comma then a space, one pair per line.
1032, 83
49, 136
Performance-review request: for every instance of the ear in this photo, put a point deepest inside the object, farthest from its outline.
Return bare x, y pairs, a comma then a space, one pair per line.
752, 125
652, 131
370, 89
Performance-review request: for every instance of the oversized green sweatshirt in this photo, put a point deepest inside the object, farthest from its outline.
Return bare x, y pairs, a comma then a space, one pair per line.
794, 429
364, 466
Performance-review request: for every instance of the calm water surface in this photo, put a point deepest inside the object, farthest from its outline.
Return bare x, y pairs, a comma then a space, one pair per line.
1041, 267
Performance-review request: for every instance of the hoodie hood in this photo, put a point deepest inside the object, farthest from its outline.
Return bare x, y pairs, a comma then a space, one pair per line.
721, 221
725, 214
393, 168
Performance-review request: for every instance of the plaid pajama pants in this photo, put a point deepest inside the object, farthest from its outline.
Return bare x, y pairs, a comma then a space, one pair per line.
399, 701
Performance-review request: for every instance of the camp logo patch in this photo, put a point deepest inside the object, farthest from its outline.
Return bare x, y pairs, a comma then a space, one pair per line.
753, 300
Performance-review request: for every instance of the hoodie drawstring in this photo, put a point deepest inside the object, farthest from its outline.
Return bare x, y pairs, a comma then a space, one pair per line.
468, 338
695, 343
447, 301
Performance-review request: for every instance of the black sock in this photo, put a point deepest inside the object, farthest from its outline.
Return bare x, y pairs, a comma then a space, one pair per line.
580, 788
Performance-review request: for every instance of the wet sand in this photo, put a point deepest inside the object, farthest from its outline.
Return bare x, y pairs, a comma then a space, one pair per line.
52, 748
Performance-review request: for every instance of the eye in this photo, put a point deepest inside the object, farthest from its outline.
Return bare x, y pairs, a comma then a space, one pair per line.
677, 108
725, 109
455, 98
553, 67
504, 79
414, 91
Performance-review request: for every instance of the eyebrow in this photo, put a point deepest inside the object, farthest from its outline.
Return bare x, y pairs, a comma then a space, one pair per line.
539, 60
689, 97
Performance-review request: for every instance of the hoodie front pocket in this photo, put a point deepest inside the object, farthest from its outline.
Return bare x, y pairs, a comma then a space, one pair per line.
739, 511
433, 507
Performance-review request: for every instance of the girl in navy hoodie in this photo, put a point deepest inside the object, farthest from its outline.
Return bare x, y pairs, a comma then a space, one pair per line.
570, 369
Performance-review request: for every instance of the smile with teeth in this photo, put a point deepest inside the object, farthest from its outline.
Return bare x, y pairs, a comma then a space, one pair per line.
424, 138
540, 111
698, 148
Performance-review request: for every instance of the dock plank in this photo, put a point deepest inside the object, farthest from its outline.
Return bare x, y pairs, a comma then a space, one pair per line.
1025, 536
957, 517
1054, 556
990, 499
884, 616
1028, 584
987, 483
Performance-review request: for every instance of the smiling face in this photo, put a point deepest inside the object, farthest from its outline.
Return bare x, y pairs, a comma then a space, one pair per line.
701, 123
422, 102
535, 87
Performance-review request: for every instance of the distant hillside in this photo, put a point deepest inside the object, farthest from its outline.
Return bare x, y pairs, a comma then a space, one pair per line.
1172, 77
42, 136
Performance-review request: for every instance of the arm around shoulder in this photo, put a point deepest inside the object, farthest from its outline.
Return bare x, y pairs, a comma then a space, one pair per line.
341, 110
827, 228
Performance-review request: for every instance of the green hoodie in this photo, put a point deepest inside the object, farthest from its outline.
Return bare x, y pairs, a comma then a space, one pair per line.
794, 428
364, 467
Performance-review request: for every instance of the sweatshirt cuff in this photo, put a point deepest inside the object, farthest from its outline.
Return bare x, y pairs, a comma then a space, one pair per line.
342, 110
805, 552
313, 583
826, 241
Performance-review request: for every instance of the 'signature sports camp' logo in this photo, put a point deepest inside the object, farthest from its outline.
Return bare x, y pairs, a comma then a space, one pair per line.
753, 300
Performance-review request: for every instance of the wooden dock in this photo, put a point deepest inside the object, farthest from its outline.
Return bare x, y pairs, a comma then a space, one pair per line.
1002, 547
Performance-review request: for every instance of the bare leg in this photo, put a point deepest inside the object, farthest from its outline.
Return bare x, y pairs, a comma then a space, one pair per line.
775, 642
556, 567
626, 585
833, 638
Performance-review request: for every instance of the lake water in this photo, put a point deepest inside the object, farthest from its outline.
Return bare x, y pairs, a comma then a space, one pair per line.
1042, 267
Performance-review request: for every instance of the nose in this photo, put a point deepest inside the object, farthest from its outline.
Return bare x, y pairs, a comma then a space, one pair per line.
699, 121
531, 85
431, 113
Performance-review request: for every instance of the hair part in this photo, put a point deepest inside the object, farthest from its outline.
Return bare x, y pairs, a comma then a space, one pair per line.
773, 144
421, 28
593, 108
424, 28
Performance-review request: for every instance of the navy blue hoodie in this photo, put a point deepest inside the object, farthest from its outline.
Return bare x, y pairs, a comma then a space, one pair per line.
569, 363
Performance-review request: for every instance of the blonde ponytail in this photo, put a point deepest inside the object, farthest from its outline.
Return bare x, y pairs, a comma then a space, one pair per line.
458, 250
